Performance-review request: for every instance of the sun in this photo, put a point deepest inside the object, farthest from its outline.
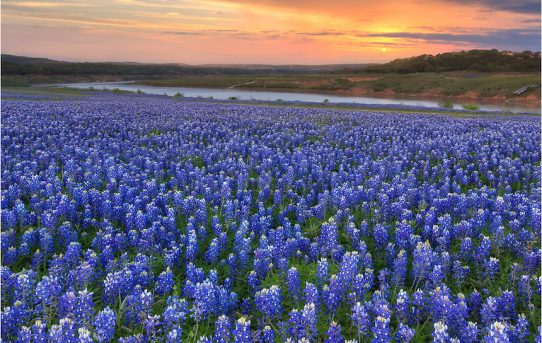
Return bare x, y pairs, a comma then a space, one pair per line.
384, 49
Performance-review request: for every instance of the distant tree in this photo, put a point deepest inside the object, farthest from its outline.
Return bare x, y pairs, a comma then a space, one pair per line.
473, 60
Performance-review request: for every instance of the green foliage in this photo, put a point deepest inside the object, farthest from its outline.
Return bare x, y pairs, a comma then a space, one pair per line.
14, 82
470, 107
153, 132
474, 60
446, 104
178, 95
233, 98
197, 161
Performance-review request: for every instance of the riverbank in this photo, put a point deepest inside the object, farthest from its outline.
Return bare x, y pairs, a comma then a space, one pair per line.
462, 87
451, 87
262, 98
47, 93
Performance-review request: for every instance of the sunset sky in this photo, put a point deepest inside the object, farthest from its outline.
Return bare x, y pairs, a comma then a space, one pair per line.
264, 31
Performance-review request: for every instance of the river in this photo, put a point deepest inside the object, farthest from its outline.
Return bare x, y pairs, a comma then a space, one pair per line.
262, 95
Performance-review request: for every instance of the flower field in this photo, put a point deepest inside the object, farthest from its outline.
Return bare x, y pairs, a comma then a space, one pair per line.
136, 218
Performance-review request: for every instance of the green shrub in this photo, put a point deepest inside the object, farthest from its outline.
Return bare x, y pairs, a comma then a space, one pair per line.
471, 107
446, 104
178, 95
233, 98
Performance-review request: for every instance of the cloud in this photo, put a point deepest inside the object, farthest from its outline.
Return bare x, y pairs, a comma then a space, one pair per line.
182, 33
512, 39
520, 6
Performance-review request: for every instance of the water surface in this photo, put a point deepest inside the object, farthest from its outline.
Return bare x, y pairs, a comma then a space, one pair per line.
262, 95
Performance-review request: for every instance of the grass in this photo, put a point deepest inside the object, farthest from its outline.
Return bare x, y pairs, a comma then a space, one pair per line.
499, 85
446, 104
470, 107
48, 92
442, 84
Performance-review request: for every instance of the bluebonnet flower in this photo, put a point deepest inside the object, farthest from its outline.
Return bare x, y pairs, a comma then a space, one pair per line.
498, 332
491, 268
242, 332
11, 320
381, 328
422, 260
253, 281
332, 294
520, 331
334, 334
137, 338
322, 271
524, 289
311, 294
402, 235
165, 282
213, 251
310, 319
205, 300
399, 269
489, 311
469, 333
294, 285
506, 305
459, 273
67, 303
402, 306
48, 289
104, 325
349, 268
483, 250
10, 256
214, 195
64, 332
223, 330
176, 311
24, 335
404, 334
268, 335
39, 331
151, 326
269, 301
296, 327
466, 249
84, 336
381, 236
360, 318
440, 333
174, 335
84, 307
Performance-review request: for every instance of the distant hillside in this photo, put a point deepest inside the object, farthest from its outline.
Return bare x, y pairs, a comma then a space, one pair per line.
26, 60
294, 67
29, 66
473, 60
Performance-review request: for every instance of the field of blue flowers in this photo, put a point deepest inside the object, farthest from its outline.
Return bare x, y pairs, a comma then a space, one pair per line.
137, 218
